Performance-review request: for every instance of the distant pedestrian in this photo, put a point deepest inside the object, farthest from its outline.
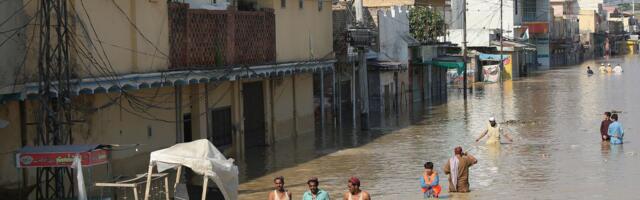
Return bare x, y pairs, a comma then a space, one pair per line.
494, 131
604, 126
354, 191
314, 192
589, 71
458, 169
617, 69
609, 68
279, 193
616, 133
602, 68
430, 182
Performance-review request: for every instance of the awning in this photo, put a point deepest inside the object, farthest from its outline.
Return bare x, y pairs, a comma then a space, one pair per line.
448, 64
166, 79
493, 57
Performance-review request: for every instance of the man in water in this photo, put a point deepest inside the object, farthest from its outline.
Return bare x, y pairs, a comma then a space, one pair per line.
458, 169
609, 68
314, 192
615, 130
602, 68
494, 131
430, 182
604, 126
354, 191
279, 193
617, 69
589, 71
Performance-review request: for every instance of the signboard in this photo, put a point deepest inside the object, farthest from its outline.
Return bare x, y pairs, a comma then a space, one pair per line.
60, 159
491, 73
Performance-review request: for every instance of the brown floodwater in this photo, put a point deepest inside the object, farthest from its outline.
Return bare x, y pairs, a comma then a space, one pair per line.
554, 117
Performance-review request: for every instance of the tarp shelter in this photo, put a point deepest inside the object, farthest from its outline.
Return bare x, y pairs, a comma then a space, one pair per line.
202, 158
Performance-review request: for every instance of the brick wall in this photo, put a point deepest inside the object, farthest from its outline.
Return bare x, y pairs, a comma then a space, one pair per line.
208, 38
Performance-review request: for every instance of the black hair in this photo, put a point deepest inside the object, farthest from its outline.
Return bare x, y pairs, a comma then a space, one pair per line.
608, 114
279, 178
313, 181
614, 117
428, 165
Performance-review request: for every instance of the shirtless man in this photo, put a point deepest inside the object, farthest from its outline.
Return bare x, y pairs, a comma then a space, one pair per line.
354, 191
279, 193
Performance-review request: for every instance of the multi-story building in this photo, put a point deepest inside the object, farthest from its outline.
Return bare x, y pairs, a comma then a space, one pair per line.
155, 73
565, 48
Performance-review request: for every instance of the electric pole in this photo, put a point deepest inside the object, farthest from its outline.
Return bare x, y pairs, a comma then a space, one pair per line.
361, 38
501, 46
464, 47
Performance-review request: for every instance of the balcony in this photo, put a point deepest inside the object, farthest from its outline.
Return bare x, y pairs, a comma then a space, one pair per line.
206, 39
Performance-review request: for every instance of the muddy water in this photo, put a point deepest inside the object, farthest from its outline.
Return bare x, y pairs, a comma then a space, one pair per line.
557, 154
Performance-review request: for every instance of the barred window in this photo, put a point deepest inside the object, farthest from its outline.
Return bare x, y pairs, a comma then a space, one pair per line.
283, 3
301, 4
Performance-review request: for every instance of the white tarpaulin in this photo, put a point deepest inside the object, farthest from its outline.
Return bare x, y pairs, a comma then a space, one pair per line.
203, 158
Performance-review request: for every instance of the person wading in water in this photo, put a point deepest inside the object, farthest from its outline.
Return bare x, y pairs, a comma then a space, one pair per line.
279, 193
494, 131
354, 191
458, 169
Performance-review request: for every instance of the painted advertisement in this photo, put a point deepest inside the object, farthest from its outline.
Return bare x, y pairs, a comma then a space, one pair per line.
491, 73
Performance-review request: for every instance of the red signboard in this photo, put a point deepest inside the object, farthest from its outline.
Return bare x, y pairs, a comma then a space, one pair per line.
60, 159
537, 27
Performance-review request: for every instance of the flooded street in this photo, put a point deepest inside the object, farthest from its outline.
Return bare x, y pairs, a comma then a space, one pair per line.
554, 117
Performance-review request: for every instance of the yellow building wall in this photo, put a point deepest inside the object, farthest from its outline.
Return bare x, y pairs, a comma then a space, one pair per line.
110, 37
587, 21
304, 103
302, 34
283, 109
10, 142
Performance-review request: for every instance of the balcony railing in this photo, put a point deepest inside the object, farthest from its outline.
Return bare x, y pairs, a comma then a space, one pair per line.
214, 38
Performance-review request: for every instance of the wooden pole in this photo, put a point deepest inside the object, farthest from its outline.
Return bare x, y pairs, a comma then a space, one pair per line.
148, 183
204, 187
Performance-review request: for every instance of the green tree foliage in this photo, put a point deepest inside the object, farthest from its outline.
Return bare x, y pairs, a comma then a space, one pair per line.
426, 24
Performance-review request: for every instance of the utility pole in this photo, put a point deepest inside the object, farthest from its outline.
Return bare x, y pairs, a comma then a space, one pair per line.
501, 46
361, 38
464, 48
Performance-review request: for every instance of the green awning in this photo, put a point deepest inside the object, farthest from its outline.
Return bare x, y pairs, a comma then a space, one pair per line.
448, 64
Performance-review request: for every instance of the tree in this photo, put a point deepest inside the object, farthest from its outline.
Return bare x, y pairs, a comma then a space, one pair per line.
425, 24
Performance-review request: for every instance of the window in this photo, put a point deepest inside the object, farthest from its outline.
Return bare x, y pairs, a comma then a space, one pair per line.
301, 4
283, 3
319, 5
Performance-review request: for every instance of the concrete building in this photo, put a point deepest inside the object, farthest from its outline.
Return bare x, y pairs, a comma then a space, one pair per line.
565, 47
157, 73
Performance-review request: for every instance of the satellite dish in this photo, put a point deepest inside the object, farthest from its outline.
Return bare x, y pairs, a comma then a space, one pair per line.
3, 123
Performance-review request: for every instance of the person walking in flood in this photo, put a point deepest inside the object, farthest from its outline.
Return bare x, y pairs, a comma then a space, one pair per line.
616, 133
354, 191
589, 71
279, 193
458, 170
604, 126
609, 68
430, 182
314, 192
494, 131
617, 69
602, 68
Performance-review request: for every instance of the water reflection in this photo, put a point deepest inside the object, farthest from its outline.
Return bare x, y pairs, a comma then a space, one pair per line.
554, 117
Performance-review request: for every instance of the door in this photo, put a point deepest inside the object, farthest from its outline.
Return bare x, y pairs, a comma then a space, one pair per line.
254, 124
186, 127
221, 127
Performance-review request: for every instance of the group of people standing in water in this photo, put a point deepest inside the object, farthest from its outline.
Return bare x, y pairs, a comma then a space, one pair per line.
611, 129
608, 69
